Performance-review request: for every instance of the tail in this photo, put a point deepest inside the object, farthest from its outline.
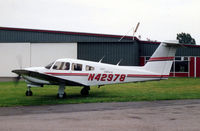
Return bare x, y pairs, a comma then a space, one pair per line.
161, 61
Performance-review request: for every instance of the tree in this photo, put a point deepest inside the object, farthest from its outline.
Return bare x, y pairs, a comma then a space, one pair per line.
185, 38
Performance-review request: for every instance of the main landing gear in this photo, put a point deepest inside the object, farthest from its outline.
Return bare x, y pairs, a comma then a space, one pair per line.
61, 92
85, 91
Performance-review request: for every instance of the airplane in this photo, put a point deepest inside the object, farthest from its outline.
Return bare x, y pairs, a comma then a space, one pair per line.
74, 72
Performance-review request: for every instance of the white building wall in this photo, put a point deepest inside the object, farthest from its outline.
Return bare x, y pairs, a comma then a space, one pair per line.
12, 56
44, 53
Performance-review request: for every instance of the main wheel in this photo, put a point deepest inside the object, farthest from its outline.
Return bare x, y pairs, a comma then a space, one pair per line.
84, 92
61, 96
29, 93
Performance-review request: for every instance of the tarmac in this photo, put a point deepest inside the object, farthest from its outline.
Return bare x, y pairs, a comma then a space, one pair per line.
170, 115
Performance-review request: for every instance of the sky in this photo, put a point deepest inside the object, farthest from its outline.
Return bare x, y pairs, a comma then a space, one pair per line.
160, 20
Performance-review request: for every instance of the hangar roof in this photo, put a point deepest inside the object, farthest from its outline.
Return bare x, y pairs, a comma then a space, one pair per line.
38, 35
64, 32
103, 37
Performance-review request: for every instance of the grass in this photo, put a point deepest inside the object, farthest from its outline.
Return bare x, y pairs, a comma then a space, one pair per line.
174, 88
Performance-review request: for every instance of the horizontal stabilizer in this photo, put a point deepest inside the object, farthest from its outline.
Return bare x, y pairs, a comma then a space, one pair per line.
173, 43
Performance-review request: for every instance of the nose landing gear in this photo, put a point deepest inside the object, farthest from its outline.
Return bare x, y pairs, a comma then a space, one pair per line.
29, 92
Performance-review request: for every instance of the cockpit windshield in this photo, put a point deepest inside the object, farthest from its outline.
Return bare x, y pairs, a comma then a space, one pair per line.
61, 66
49, 65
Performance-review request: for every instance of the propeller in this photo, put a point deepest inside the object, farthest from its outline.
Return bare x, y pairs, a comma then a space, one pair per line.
17, 79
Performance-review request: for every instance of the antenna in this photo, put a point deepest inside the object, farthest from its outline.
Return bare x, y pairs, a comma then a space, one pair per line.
126, 34
130, 30
119, 62
101, 59
136, 29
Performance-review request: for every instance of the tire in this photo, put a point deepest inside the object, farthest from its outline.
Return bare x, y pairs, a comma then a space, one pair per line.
64, 96
29, 93
84, 92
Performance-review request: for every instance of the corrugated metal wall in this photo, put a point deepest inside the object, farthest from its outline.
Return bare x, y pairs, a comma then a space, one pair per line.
111, 51
148, 49
91, 46
39, 37
188, 51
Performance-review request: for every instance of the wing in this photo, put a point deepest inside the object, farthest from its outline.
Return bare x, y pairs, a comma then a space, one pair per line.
46, 77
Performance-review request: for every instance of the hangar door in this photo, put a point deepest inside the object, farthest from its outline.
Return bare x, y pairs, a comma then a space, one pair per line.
113, 52
45, 53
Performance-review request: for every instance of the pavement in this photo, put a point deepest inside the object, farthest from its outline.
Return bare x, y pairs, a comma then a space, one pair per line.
171, 115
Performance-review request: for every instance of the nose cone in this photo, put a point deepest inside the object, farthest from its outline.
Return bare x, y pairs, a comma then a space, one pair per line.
19, 71
16, 71
26, 70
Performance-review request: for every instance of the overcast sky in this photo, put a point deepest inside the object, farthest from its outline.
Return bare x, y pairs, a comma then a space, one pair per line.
159, 19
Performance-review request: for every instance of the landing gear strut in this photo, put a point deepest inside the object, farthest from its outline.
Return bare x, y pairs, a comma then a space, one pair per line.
85, 91
29, 92
61, 92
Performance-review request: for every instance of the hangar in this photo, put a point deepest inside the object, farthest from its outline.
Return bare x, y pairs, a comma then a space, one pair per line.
20, 47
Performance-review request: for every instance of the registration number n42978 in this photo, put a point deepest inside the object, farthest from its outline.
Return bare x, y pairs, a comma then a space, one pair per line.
106, 77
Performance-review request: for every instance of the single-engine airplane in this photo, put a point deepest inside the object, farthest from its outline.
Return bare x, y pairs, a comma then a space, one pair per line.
73, 72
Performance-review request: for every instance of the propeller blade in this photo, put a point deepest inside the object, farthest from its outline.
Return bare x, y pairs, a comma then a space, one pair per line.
19, 60
16, 80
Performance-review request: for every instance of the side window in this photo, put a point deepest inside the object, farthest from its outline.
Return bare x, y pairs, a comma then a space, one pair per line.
89, 68
58, 66
66, 66
76, 67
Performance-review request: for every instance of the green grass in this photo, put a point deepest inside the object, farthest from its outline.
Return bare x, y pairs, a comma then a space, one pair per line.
174, 88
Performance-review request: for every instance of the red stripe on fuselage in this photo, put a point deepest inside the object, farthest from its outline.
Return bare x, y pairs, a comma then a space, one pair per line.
68, 74
161, 58
148, 76
128, 75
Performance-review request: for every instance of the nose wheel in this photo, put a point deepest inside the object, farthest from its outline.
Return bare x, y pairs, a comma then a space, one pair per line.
85, 91
29, 92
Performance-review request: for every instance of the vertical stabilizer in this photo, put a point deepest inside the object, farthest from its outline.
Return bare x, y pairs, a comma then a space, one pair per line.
162, 59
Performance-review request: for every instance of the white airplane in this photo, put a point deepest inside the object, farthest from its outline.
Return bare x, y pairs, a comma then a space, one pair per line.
73, 72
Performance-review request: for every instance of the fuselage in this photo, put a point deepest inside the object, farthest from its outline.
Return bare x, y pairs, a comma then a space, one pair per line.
92, 73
